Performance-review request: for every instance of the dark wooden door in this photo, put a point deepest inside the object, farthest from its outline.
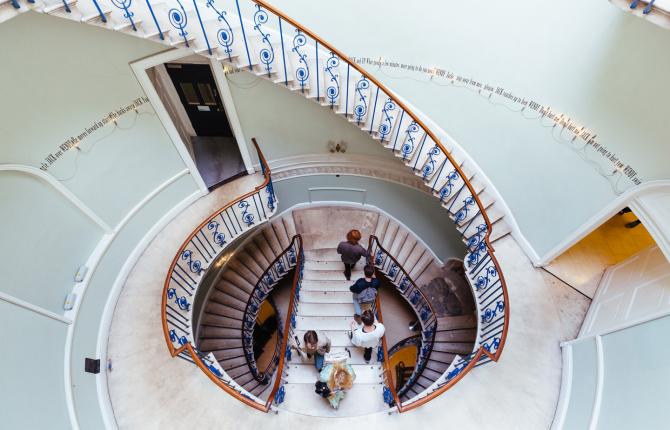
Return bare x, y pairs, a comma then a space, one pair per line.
198, 93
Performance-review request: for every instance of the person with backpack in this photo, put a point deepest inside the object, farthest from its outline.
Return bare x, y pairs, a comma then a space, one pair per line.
367, 334
351, 251
317, 343
364, 292
334, 380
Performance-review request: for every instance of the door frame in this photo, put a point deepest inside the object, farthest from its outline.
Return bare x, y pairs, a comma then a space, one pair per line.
140, 67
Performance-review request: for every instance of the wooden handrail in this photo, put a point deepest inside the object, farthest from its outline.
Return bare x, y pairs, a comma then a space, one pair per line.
246, 309
287, 325
387, 363
432, 135
374, 238
371, 240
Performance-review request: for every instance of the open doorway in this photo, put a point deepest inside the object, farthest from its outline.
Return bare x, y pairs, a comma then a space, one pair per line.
582, 266
191, 97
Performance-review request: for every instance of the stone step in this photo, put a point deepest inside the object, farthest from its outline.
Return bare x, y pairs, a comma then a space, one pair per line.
456, 322
332, 265
326, 309
321, 285
323, 323
338, 338
325, 297
456, 335
362, 399
331, 275
356, 353
307, 374
323, 254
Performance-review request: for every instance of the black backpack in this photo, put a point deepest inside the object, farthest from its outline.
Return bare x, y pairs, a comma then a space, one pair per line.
321, 388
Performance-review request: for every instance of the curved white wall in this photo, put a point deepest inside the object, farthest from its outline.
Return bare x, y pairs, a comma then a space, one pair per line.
606, 71
59, 77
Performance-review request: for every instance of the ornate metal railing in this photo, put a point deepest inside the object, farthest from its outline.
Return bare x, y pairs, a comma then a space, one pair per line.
253, 35
277, 394
277, 270
200, 249
407, 288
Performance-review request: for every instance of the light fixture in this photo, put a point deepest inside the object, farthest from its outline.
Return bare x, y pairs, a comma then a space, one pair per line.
340, 146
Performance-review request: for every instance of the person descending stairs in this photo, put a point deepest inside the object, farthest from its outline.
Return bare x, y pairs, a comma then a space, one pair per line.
326, 306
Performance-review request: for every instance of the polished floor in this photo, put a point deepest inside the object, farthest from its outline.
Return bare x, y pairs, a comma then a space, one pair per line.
583, 265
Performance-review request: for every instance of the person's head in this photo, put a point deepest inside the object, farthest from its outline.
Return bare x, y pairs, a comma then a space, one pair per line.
368, 317
340, 378
368, 271
353, 237
311, 339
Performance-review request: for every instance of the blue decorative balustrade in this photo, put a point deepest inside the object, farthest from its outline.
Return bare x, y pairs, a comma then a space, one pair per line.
407, 288
198, 251
250, 34
278, 392
277, 270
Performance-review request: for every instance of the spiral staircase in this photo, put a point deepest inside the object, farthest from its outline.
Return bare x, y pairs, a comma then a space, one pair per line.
238, 287
253, 36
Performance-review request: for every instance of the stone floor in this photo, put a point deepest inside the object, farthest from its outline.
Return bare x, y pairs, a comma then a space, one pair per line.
151, 390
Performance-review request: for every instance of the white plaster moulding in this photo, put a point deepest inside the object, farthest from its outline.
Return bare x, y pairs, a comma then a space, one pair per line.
600, 380
566, 389
81, 288
346, 164
33, 308
139, 68
231, 113
62, 189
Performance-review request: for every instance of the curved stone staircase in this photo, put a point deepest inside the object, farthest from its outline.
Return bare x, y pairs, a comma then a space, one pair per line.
222, 320
325, 304
253, 36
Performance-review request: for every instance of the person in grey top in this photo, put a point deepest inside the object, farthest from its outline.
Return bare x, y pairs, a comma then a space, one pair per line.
351, 252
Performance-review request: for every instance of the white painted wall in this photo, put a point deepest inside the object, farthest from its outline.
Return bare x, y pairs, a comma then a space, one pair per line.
605, 72
32, 394
285, 124
57, 78
617, 381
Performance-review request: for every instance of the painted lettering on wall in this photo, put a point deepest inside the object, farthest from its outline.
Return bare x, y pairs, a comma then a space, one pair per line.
73, 142
578, 135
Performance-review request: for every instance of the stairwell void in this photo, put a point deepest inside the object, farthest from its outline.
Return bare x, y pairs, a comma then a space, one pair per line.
229, 303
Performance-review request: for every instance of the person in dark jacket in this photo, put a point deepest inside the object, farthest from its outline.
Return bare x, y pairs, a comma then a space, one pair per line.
351, 252
365, 291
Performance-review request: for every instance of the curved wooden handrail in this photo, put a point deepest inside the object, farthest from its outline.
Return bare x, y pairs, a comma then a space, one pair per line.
246, 309
287, 324
454, 163
387, 364
166, 284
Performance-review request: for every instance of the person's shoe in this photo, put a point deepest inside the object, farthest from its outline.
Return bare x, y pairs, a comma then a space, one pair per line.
367, 361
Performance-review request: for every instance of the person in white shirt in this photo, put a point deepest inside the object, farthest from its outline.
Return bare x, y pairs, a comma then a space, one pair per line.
367, 334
